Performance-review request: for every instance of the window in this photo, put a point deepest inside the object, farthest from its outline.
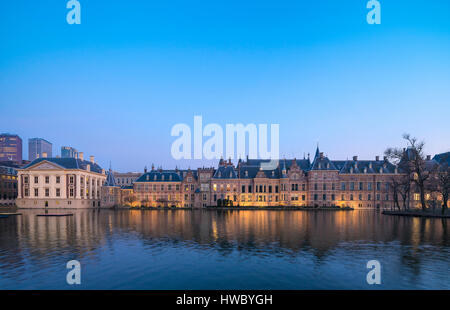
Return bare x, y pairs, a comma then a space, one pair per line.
26, 192
58, 192
36, 180
276, 188
25, 180
71, 192
360, 197
47, 192
243, 188
315, 196
369, 197
352, 186
303, 197
332, 197
324, 197
71, 180
361, 186
36, 192
315, 186
58, 179
351, 196
369, 186
378, 186
343, 186
324, 187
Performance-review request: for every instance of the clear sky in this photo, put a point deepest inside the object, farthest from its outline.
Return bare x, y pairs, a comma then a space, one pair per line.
115, 85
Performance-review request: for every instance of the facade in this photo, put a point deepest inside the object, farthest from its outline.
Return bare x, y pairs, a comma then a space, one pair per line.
293, 182
60, 183
126, 179
8, 186
68, 152
38, 147
10, 148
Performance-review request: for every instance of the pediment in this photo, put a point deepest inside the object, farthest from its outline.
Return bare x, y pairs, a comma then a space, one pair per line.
45, 165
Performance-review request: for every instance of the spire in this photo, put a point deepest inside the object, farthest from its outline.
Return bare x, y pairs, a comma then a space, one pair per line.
317, 151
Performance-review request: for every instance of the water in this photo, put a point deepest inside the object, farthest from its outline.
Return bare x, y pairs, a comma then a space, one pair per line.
201, 249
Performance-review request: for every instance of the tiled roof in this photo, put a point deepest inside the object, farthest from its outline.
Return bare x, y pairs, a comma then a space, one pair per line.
161, 176
68, 163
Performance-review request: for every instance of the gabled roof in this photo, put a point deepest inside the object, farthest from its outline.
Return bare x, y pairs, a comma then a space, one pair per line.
67, 163
225, 172
321, 162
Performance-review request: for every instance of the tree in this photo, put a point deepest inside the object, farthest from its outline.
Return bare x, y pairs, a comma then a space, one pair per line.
441, 183
413, 162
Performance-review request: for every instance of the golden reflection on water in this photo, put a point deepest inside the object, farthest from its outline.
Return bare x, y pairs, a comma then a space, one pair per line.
290, 230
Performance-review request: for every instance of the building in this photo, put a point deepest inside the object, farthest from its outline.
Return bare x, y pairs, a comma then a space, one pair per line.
10, 148
60, 183
8, 186
293, 182
126, 179
38, 147
68, 152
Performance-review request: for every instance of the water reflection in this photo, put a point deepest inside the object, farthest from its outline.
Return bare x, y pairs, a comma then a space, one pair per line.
30, 244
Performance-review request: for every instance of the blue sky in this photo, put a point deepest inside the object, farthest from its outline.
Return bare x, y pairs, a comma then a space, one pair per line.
115, 85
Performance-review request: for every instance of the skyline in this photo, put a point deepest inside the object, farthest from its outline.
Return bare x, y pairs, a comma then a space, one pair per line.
114, 86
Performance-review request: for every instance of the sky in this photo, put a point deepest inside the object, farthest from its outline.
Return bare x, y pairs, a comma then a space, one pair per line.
115, 85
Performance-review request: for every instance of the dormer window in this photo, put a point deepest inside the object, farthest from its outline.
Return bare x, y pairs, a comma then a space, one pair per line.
246, 173
365, 170
154, 177
170, 177
351, 169
273, 173
148, 177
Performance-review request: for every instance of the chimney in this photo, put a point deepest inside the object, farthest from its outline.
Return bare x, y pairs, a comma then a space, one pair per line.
385, 158
428, 157
321, 155
80, 155
377, 158
92, 159
44, 155
145, 169
355, 158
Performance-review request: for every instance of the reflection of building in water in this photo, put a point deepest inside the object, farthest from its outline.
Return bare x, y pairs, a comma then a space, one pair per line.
322, 182
40, 240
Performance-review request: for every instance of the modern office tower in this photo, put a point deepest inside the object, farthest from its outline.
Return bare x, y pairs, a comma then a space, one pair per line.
10, 148
38, 147
68, 152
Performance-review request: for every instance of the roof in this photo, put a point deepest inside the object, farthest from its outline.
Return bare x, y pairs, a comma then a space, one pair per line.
364, 166
68, 163
110, 179
442, 158
161, 176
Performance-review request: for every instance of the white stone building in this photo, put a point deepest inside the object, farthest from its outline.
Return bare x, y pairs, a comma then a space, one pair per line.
60, 183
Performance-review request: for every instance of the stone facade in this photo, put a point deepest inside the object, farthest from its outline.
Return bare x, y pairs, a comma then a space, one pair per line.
60, 183
322, 182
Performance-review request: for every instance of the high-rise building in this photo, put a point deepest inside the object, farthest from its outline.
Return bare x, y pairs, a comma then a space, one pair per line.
68, 152
10, 148
38, 147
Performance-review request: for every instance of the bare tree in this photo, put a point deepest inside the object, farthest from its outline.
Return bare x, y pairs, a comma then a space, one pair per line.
413, 162
441, 183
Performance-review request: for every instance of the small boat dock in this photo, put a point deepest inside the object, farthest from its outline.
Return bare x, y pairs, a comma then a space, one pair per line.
55, 214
